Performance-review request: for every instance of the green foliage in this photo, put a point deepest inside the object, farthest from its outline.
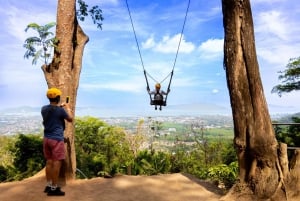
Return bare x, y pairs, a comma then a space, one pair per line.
40, 46
87, 144
95, 13
3, 173
7, 171
6, 156
223, 174
205, 158
28, 155
219, 133
152, 163
289, 134
294, 131
228, 153
179, 161
289, 78
100, 148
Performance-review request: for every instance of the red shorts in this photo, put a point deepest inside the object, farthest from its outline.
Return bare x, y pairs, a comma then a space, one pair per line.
53, 149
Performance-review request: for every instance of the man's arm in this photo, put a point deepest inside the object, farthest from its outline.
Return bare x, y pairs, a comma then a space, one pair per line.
69, 118
66, 107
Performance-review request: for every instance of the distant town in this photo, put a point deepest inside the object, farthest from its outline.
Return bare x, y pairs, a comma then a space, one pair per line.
29, 121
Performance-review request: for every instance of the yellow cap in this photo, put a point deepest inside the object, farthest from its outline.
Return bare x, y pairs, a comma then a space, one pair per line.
53, 93
157, 86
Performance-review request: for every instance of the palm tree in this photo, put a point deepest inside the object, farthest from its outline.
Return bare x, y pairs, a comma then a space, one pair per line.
40, 47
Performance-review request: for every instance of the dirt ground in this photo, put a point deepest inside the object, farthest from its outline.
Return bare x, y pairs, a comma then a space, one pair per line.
167, 187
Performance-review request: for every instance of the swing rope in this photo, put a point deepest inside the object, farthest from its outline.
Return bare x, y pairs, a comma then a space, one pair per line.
186, 13
175, 60
138, 47
172, 72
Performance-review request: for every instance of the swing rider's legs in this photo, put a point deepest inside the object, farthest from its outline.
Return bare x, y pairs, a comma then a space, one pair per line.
158, 102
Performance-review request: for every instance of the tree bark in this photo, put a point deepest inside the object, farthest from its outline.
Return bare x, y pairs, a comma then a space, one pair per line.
64, 71
284, 161
264, 173
254, 136
294, 179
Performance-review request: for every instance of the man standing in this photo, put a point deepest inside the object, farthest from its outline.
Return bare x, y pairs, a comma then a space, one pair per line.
54, 116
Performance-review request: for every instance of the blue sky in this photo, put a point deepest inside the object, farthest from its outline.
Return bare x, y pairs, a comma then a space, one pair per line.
112, 77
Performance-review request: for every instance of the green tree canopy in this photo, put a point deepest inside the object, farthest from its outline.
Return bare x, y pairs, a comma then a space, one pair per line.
28, 155
289, 78
100, 148
95, 13
289, 134
40, 46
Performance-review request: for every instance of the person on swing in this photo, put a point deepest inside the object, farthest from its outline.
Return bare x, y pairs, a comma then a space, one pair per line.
158, 96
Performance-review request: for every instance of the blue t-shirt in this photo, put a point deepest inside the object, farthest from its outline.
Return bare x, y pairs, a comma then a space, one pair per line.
54, 122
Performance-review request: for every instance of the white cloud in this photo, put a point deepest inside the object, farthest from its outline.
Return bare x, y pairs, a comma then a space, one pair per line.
215, 91
184, 81
150, 43
278, 55
134, 84
113, 86
169, 44
113, 2
276, 35
273, 23
211, 49
266, 1
15, 25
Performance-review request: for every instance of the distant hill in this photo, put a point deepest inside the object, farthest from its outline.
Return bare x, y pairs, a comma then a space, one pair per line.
28, 119
287, 118
24, 110
196, 109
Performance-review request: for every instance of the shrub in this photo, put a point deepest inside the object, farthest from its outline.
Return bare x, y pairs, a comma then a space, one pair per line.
28, 155
224, 174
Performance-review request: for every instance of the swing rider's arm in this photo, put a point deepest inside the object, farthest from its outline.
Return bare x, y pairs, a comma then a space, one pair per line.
158, 97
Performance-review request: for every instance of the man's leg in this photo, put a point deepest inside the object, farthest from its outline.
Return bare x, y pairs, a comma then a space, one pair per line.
49, 165
55, 190
55, 172
58, 156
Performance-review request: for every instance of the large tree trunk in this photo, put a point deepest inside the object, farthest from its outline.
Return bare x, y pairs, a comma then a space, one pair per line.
64, 71
260, 175
264, 172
